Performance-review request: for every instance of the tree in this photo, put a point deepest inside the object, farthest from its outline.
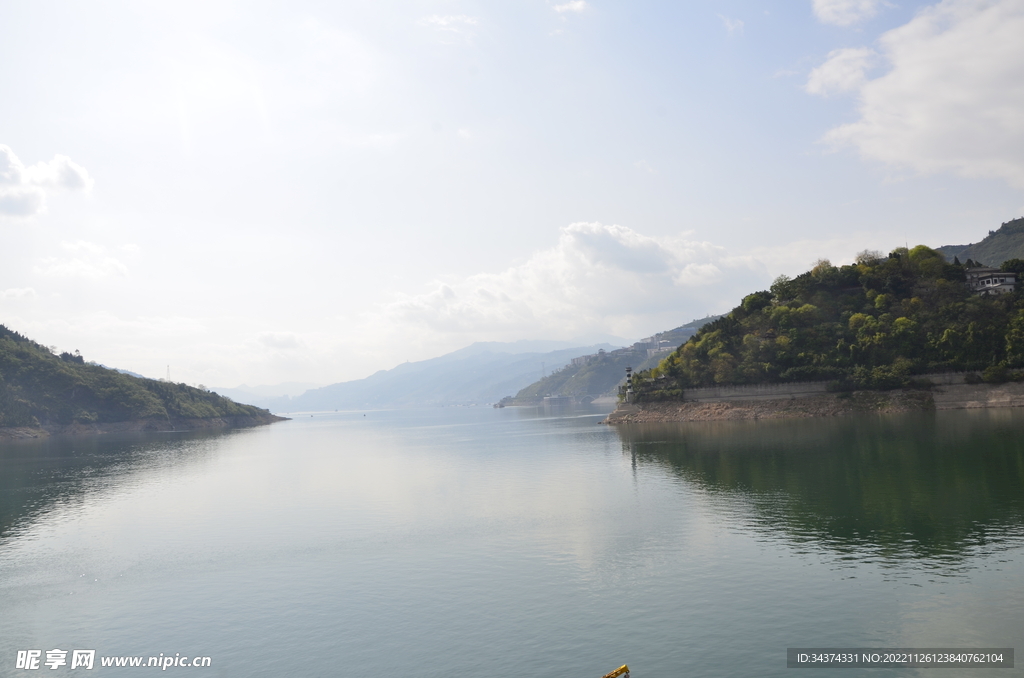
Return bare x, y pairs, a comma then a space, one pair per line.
1013, 266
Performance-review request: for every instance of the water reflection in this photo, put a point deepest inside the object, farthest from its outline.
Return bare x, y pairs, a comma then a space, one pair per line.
37, 476
933, 487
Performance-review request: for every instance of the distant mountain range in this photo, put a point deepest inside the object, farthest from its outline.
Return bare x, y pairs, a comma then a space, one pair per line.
483, 373
479, 374
265, 393
999, 246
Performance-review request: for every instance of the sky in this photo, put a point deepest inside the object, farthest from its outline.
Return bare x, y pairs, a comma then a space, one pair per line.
309, 191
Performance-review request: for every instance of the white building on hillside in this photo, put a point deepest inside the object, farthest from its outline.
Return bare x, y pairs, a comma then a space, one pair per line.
987, 280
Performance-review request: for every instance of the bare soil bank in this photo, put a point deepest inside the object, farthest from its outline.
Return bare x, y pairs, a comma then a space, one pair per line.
138, 425
946, 397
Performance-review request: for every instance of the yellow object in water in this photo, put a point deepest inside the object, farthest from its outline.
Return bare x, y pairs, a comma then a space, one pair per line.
621, 671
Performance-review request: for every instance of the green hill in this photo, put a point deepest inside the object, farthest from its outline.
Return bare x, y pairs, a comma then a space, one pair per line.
602, 372
598, 377
999, 246
40, 389
872, 324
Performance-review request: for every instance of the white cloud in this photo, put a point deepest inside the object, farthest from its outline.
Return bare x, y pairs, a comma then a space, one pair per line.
82, 246
60, 172
78, 268
22, 189
644, 166
18, 293
21, 201
953, 97
279, 340
12, 172
843, 71
88, 260
573, 6
597, 279
731, 25
845, 12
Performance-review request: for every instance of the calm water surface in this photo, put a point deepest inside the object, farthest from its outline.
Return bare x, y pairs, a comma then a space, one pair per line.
480, 542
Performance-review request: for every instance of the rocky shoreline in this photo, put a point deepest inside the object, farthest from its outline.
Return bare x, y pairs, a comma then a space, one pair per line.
946, 397
79, 428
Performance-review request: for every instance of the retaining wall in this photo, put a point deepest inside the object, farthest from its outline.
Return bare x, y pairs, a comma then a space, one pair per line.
797, 389
946, 378
971, 396
714, 394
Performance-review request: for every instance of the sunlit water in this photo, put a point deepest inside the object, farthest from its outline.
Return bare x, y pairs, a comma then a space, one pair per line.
480, 542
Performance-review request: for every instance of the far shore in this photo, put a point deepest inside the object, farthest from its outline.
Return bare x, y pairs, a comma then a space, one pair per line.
945, 397
153, 425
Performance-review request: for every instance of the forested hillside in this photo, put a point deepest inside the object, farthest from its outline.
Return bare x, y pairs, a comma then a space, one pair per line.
871, 324
38, 388
598, 377
1000, 245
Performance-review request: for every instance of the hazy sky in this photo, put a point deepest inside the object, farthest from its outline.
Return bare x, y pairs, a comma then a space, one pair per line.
304, 191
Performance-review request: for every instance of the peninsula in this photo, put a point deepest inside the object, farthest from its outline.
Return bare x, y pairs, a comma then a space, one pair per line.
897, 332
43, 393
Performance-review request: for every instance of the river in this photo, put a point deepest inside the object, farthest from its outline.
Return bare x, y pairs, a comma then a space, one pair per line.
515, 542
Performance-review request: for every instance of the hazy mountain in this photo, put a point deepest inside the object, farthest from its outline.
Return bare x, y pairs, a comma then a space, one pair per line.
479, 374
997, 247
600, 374
264, 394
533, 345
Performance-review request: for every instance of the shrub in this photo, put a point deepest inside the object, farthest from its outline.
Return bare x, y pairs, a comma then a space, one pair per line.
994, 374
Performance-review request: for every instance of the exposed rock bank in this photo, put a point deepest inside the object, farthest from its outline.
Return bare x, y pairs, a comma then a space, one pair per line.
829, 405
78, 428
944, 397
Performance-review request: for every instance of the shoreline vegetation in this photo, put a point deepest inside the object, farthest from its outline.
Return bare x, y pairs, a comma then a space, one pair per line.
45, 393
